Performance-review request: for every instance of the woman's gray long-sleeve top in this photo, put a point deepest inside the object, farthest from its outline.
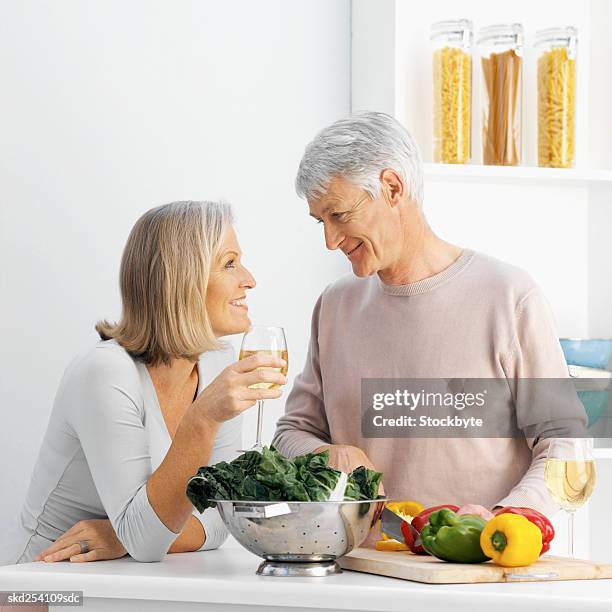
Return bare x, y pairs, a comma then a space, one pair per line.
106, 436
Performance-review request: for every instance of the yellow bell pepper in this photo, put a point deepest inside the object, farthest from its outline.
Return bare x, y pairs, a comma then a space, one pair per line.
389, 544
406, 509
511, 540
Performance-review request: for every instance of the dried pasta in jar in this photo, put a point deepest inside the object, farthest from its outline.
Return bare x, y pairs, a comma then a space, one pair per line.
556, 79
452, 79
502, 63
452, 91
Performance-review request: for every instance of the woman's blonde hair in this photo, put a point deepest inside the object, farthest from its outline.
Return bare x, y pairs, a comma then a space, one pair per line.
164, 275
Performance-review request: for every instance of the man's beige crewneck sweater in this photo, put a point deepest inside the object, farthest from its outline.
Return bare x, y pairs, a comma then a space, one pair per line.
478, 318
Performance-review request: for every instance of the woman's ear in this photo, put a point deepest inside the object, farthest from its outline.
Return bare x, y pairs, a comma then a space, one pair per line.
392, 186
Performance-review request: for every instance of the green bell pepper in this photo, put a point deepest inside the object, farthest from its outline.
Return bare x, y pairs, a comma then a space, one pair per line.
453, 537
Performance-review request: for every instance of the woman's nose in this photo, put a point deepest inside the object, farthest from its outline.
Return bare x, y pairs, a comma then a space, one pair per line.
248, 282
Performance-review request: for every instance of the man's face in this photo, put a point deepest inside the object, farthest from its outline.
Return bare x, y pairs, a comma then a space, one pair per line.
366, 230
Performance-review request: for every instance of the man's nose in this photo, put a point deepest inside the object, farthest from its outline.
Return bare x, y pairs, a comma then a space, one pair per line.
333, 238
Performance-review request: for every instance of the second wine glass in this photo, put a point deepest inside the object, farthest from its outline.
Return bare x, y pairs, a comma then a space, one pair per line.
271, 341
570, 476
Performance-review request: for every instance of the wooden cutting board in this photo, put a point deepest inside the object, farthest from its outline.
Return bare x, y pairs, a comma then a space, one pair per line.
428, 569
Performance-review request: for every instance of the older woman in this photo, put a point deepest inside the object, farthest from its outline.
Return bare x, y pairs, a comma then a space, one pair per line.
157, 397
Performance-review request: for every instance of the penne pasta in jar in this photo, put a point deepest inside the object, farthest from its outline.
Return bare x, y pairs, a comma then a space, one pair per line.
556, 78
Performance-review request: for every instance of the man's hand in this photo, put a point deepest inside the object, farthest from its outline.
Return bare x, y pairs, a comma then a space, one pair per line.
346, 458
98, 536
487, 515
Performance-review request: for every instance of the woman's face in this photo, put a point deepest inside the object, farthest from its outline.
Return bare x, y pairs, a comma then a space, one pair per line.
227, 285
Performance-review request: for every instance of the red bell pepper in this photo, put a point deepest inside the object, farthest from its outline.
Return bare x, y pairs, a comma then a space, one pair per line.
411, 531
538, 519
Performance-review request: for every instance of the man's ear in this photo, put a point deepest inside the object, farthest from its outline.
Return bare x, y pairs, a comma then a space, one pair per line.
392, 186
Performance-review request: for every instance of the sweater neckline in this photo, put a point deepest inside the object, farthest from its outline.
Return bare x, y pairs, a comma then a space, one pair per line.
432, 282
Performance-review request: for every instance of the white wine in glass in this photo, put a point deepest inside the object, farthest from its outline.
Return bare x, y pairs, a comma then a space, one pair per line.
570, 476
280, 354
271, 341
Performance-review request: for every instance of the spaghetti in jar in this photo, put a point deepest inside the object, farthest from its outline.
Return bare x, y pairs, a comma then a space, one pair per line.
501, 58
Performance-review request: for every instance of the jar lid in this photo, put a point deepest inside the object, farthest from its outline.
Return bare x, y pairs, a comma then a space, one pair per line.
502, 34
566, 36
455, 29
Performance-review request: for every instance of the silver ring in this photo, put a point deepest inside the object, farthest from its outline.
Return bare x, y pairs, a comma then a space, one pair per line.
84, 546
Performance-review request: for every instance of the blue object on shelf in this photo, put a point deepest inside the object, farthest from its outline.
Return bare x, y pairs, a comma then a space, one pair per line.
595, 404
595, 353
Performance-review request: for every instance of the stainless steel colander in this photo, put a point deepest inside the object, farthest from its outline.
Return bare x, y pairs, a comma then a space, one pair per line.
299, 538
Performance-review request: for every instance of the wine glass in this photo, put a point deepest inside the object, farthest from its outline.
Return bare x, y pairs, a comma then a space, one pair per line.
269, 340
570, 476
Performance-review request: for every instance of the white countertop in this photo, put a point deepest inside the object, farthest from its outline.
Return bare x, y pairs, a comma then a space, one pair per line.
227, 576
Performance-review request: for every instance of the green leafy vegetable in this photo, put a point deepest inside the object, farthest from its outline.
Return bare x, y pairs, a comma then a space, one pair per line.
363, 484
269, 476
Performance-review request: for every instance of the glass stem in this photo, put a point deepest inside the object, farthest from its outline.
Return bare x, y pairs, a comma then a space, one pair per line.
260, 406
570, 538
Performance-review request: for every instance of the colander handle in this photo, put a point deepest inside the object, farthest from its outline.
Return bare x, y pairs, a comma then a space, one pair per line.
258, 511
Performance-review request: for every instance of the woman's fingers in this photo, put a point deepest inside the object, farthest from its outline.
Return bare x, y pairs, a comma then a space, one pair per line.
259, 360
99, 535
92, 555
64, 553
239, 386
252, 395
64, 540
269, 376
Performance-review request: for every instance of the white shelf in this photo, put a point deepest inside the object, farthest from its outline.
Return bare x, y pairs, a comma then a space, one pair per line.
474, 172
391, 70
602, 453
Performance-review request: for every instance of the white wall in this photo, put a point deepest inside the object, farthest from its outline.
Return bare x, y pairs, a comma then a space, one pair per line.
110, 108
542, 229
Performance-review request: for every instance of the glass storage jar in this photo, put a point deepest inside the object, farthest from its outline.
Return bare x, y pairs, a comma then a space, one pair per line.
452, 90
501, 57
556, 96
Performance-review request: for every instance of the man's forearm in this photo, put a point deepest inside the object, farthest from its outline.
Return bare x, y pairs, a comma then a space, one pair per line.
293, 442
531, 490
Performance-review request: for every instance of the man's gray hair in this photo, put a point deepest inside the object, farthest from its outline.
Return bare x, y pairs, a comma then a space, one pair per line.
358, 149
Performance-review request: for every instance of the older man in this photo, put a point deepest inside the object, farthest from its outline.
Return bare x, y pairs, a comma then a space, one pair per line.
414, 307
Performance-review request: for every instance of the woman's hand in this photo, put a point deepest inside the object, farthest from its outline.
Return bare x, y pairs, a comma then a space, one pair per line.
97, 535
230, 394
